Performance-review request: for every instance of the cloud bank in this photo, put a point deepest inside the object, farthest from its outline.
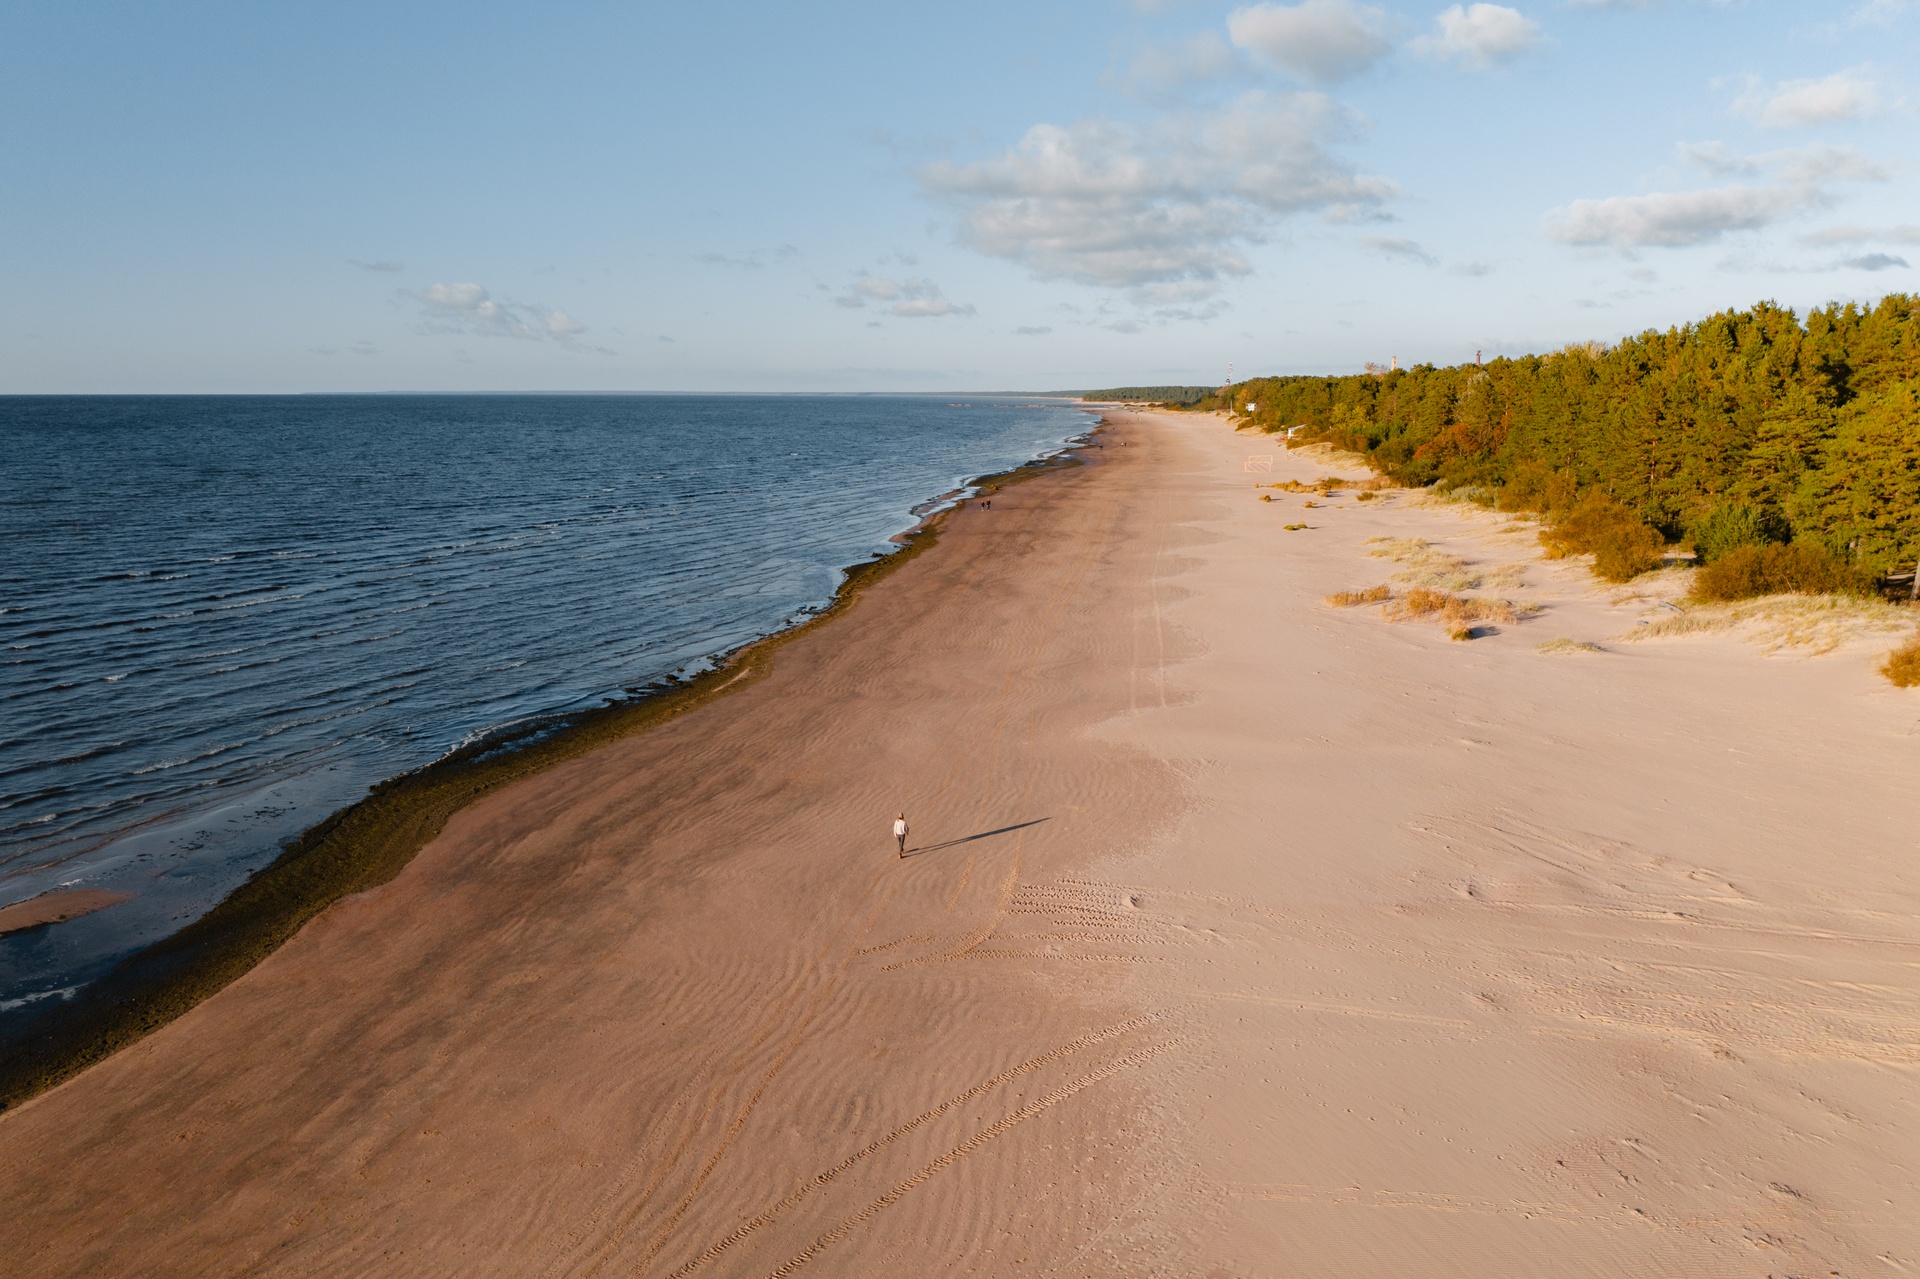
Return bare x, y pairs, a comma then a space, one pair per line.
1123, 206
1678, 219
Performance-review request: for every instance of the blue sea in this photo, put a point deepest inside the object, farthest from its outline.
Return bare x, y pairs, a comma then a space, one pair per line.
222, 618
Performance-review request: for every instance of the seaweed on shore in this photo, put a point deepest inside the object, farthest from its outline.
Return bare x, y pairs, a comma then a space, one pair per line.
371, 841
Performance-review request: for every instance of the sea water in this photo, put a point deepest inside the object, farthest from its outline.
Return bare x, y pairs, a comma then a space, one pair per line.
222, 618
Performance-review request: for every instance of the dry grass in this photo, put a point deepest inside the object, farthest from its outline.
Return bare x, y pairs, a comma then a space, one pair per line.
1561, 644
1329, 456
1352, 599
1438, 570
1324, 485
1366, 495
1418, 602
1293, 528
1661, 586
1902, 666
1817, 623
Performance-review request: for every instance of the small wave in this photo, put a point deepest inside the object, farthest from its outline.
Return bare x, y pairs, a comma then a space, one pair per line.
65, 992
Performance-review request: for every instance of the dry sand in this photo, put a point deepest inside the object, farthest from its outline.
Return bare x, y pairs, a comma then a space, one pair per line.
1245, 937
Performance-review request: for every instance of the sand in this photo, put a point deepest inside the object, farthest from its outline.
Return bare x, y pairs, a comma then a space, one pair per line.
1243, 936
56, 908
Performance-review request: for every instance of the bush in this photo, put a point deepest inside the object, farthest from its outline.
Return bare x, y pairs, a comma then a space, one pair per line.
1622, 546
1351, 599
1797, 568
1730, 526
1533, 487
1903, 664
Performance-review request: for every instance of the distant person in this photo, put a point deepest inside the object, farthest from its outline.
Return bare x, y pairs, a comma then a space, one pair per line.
900, 833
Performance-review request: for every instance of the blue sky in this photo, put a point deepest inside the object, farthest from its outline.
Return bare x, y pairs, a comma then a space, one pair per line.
858, 196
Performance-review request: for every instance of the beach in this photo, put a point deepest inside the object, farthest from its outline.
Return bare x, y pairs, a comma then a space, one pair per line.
1238, 935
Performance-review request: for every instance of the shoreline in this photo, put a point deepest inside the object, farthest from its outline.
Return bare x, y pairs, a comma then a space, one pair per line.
1240, 933
368, 842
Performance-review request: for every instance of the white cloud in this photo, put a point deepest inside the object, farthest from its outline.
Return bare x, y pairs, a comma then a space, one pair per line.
1121, 206
1201, 56
1676, 219
1814, 163
1034, 330
1909, 234
1844, 95
911, 299
1393, 246
1479, 35
469, 308
1320, 41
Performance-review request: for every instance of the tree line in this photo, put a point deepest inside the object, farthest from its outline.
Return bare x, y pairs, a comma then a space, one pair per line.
1179, 395
1741, 435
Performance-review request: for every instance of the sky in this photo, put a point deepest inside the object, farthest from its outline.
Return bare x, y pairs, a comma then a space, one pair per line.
839, 196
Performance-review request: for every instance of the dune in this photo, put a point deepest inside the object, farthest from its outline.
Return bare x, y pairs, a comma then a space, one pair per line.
1239, 935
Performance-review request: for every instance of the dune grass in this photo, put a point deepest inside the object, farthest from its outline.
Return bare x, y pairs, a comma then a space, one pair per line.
1352, 599
1561, 644
1458, 614
1902, 665
1817, 623
1437, 570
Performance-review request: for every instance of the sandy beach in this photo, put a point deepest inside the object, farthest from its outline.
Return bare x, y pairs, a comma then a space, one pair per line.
1238, 936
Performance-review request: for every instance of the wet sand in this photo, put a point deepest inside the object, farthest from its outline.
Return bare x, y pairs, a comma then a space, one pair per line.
56, 908
1240, 936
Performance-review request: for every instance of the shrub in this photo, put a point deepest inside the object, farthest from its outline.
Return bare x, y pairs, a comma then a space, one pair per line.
1350, 599
1903, 664
1533, 487
1797, 568
1730, 526
1622, 545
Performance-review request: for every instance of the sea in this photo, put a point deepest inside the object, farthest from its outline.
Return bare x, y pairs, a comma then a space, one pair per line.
223, 618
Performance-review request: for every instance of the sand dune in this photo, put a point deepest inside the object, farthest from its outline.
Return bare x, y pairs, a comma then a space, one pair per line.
1243, 936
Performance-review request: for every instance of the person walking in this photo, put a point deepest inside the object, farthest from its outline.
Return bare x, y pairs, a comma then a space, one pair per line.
900, 833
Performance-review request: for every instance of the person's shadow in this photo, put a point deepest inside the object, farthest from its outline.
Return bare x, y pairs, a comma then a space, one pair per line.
968, 839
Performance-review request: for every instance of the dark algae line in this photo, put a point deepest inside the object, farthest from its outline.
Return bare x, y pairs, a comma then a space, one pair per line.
370, 842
